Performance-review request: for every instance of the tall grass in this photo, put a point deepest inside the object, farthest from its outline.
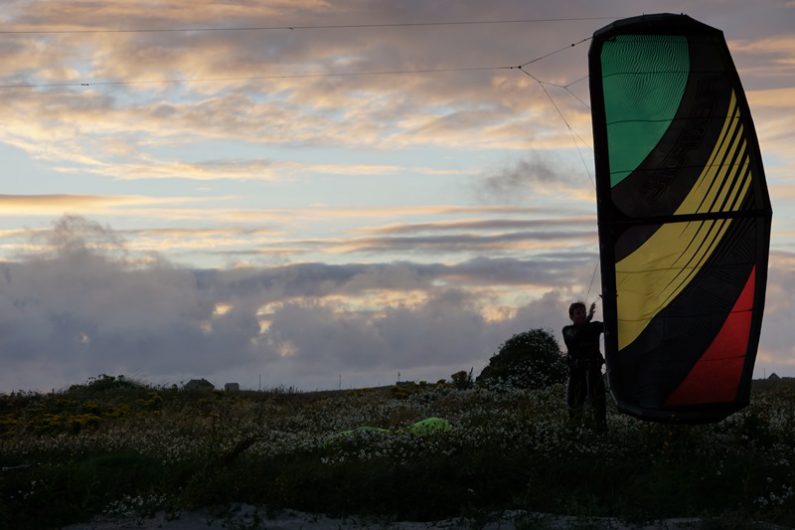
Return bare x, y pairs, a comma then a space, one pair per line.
116, 446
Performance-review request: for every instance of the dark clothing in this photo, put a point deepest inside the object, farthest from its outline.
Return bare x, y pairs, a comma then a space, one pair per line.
585, 370
582, 342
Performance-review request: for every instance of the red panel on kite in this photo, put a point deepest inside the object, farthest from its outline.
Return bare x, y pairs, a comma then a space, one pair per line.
716, 376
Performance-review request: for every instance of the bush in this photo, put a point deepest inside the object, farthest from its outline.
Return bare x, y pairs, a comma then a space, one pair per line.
506, 449
462, 380
106, 385
531, 360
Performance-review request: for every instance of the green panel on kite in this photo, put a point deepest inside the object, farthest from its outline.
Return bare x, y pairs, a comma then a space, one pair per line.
642, 95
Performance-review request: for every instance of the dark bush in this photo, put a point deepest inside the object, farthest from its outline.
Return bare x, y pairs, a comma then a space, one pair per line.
531, 359
104, 385
462, 380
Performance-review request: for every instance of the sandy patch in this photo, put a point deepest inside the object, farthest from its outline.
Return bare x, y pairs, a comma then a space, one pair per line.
239, 517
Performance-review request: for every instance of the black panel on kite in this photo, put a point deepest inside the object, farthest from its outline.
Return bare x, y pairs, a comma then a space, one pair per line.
684, 219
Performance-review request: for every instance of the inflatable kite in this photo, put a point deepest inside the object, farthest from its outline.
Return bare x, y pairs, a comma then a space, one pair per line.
684, 219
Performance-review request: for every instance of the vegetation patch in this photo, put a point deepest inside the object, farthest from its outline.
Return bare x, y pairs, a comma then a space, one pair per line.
420, 452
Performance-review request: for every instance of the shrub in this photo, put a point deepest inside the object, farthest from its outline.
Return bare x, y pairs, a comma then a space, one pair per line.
462, 380
531, 360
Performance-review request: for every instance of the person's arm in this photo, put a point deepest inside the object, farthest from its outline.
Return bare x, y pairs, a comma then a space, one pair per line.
566, 340
591, 311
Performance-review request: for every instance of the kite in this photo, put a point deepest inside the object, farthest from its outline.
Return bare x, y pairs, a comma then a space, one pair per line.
684, 219
426, 427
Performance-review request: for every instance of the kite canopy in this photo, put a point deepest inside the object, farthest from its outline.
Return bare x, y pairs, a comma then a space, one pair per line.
425, 427
432, 425
684, 218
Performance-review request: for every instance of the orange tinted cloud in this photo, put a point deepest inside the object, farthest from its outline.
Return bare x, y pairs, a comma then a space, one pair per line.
55, 203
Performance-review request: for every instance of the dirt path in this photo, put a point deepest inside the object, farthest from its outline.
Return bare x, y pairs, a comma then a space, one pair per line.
250, 518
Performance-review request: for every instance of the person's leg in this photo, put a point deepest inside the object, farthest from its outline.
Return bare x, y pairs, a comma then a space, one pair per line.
575, 395
598, 400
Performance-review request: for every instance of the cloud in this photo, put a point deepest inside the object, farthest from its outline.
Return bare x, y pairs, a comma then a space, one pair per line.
536, 175
83, 306
241, 69
49, 204
206, 227
778, 49
318, 280
535, 240
485, 224
290, 153
131, 94
774, 97
239, 169
776, 350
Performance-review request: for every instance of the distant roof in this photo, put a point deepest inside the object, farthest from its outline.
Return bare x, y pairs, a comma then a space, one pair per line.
199, 383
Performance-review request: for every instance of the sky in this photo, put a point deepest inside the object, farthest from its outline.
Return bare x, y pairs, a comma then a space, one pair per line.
322, 193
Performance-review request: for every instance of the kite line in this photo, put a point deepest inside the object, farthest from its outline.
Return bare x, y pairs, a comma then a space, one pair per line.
572, 132
300, 27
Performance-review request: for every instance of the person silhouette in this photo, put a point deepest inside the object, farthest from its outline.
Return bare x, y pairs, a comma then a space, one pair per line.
585, 365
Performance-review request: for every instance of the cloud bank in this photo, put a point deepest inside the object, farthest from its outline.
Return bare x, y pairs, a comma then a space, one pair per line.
274, 217
83, 307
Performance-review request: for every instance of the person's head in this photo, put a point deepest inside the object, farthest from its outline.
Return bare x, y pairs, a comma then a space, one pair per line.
577, 313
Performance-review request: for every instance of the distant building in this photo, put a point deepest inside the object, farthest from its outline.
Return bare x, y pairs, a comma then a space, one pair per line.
773, 377
232, 387
198, 384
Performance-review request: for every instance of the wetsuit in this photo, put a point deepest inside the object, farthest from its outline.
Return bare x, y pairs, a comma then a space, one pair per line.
585, 370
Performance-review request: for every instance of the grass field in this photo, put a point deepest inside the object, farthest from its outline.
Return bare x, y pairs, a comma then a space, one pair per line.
115, 446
